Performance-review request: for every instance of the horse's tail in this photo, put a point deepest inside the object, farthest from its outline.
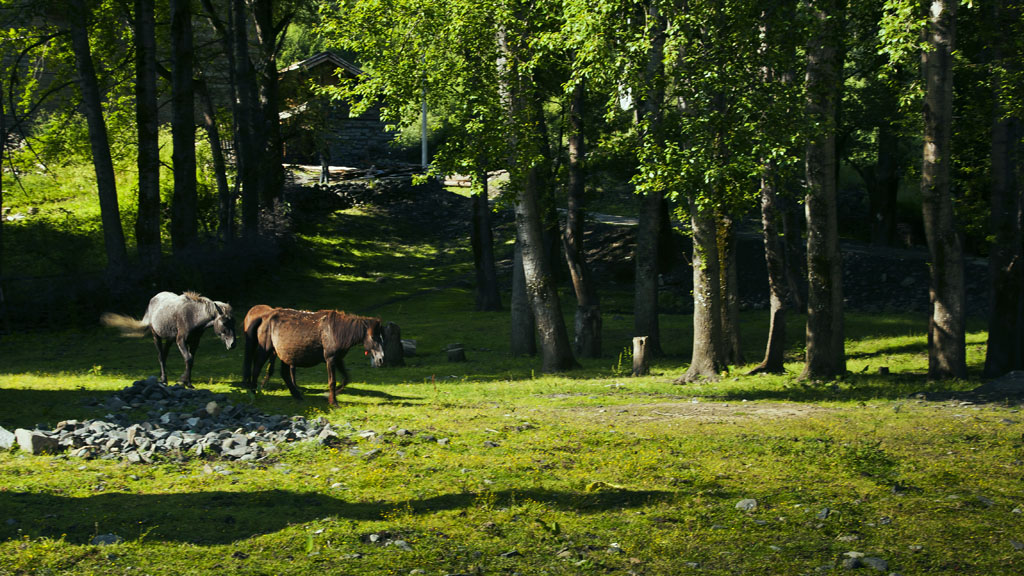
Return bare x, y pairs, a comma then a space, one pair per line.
251, 340
251, 326
127, 325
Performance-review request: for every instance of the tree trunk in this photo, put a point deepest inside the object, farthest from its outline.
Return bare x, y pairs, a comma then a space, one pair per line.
487, 296
147, 222
545, 174
885, 189
270, 168
246, 109
556, 352
1005, 350
778, 297
524, 342
826, 357
525, 128
1003, 353
184, 219
228, 40
3, 148
106, 184
225, 197
946, 328
648, 113
729, 281
587, 325
645, 303
793, 248
708, 355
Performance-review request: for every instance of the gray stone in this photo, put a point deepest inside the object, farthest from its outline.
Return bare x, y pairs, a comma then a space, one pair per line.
875, 563
401, 545
7, 439
236, 452
106, 540
67, 425
36, 442
327, 435
747, 505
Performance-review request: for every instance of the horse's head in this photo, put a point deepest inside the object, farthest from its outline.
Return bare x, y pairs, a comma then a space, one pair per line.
224, 325
373, 342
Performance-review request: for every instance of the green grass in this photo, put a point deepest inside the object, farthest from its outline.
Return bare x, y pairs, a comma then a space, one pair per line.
589, 472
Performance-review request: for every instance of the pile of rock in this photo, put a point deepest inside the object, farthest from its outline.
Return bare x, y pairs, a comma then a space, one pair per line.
178, 422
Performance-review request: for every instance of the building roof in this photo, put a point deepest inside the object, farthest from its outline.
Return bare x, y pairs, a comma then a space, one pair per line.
323, 59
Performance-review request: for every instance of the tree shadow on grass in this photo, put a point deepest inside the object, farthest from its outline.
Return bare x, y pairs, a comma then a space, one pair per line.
854, 387
316, 391
218, 517
29, 408
911, 348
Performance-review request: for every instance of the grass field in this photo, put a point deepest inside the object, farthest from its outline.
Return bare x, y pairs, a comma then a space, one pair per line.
489, 467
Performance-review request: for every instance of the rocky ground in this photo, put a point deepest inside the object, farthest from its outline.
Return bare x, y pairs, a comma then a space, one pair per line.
149, 420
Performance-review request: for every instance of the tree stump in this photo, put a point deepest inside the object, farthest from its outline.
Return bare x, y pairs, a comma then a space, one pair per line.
640, 366
456, 353
394, 351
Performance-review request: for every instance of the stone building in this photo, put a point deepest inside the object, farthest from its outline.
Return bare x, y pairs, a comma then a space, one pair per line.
317, 130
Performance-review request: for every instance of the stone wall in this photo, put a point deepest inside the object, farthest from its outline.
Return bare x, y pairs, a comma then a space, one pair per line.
361, 141
354, 142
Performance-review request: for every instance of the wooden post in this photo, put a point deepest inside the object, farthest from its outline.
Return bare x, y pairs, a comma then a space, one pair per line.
640, 367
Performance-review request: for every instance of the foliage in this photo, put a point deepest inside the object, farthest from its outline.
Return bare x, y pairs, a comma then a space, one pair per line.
407, 51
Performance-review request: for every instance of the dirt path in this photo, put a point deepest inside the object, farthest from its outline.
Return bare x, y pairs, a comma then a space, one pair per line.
706, 412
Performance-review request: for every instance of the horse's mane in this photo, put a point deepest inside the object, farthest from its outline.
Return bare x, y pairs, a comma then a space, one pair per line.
348, 328
213, 307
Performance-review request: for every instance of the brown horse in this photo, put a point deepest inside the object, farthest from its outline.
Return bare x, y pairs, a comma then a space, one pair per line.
301, 338
250, 327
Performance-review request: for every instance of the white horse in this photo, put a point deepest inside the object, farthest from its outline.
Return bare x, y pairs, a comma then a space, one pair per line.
180, 318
